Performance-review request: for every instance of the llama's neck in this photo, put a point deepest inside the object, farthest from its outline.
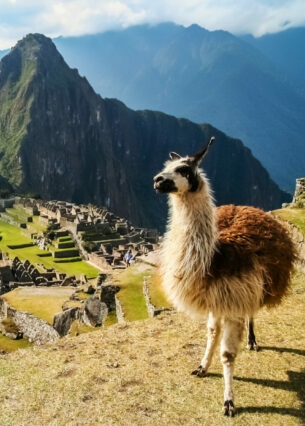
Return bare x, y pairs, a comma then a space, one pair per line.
192, 229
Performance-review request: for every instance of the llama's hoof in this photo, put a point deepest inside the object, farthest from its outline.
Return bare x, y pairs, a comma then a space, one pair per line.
199, 372
228, 408
253, 347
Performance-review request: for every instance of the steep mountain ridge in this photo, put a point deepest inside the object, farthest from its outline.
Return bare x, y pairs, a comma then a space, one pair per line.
205, 76
63, 141
286, 49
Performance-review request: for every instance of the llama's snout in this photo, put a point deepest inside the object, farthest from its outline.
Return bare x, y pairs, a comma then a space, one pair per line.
163, 184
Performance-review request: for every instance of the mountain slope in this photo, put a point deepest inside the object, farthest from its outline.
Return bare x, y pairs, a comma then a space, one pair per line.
286, 49
204, 76
63, 141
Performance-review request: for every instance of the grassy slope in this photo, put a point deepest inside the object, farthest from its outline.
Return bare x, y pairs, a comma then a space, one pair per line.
139, 374
16, 101
293, 215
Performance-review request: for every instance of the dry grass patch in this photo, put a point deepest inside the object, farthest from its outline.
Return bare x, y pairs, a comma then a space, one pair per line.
139, 374
43, 302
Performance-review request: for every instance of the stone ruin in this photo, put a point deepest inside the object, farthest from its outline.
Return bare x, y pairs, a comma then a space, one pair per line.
17, 273
110, 236
299, 194
117, 237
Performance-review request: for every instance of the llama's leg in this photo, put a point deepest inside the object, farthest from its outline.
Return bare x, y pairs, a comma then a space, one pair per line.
213, 334
252, 345
232, 336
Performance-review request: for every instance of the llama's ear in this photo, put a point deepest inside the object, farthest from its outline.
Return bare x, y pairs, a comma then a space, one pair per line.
201, 154
174, 156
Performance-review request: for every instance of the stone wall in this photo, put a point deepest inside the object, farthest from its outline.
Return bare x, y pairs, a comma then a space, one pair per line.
299, 191
6, 203
119, 310
32, 328
151, 309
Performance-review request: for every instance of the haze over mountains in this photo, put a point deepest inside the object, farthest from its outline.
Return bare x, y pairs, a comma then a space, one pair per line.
61, 140
252, 89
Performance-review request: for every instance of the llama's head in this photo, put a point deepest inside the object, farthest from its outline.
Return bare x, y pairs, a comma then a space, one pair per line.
181, 174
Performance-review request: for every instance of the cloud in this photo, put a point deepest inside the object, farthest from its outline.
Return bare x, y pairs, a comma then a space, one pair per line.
76, 17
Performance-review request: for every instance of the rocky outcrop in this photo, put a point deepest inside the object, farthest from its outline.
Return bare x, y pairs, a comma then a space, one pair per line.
108, 293
63, 320
94, 311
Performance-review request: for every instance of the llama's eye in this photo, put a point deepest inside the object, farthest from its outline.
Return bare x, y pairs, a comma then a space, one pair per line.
183, 171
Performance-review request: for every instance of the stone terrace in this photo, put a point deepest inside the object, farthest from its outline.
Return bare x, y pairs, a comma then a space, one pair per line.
102, 237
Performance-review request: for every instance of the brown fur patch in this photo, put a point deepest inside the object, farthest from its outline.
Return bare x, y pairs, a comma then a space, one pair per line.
248, 236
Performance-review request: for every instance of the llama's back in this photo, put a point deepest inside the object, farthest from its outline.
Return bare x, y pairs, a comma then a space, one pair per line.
248, 236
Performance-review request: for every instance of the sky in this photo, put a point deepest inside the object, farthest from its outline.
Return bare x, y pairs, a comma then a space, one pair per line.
78, 17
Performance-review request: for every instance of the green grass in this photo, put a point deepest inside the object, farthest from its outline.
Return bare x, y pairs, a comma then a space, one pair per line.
293, 215
43, 302
157, 296
9, 345
13, 235
18, 214
131, 295
110, 319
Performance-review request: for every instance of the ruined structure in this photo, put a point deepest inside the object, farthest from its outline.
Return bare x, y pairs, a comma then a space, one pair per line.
299, 193
101, 237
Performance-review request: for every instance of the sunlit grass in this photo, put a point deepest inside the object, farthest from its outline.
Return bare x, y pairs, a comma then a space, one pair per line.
293, 215
9, 345
12, 235
43, 302
139, 373
131, 295
156, 293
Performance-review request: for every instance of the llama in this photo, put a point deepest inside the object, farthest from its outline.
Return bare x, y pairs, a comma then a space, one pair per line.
227, 261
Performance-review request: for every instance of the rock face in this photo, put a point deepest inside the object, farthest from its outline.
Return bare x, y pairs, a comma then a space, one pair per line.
61, 140
63, 320
94, 311
108, 293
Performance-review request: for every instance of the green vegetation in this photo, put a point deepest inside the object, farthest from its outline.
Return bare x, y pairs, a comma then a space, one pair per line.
157, 296
293, 215
110, 319
11, 235
9, 345
131, 295
42, 302
16, 101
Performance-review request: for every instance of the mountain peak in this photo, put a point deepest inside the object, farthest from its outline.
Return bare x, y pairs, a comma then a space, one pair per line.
33, 43
63, 141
